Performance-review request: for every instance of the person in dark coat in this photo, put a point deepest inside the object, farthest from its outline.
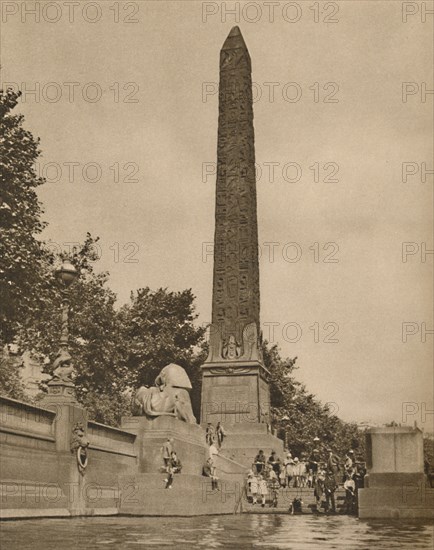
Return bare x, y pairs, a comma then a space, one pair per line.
209, 470
330, 487
176, 463
260, 462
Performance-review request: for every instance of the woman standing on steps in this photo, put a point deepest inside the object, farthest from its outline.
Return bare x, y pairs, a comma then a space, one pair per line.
220, 433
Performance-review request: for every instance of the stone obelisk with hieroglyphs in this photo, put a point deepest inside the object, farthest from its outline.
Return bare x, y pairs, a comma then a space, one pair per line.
235, 381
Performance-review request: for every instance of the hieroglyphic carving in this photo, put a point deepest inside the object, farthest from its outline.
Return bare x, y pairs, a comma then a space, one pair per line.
236, 268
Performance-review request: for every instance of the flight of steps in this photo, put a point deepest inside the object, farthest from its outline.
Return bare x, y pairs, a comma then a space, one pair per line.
285, 498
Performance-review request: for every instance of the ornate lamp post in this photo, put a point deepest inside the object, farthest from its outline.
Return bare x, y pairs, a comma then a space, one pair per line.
65, 275
61, 386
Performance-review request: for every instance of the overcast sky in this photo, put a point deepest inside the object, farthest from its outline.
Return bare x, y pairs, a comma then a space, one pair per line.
139, 115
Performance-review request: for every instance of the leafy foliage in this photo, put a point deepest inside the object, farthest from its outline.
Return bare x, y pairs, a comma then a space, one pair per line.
20, 219
10, 380
158, 329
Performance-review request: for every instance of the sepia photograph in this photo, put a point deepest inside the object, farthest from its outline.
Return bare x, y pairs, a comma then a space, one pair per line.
216, 274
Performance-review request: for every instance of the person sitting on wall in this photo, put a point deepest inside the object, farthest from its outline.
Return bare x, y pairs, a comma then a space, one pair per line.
170, 470
209, 470
167, 450
176, 463
260, 462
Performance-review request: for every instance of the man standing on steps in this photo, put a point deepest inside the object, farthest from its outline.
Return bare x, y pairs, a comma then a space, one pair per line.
210, 434
330, 487
332, 462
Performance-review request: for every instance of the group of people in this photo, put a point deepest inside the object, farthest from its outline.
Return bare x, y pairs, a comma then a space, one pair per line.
319, 472
173, 465
263, 485
215, 436
290, 470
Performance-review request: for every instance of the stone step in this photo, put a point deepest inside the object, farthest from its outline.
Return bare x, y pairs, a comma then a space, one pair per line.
286, 496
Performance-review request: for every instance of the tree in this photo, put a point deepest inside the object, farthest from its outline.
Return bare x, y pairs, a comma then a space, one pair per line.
158, 329
10, 380
20, 219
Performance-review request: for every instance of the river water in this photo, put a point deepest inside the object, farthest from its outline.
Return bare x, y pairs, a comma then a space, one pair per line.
265, 532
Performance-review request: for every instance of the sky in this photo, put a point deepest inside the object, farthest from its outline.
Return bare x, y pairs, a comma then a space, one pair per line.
125, 104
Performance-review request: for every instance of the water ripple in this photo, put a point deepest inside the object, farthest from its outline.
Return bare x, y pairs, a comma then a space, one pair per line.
250, 531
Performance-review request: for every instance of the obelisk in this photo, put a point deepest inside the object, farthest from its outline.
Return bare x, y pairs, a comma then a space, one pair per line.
235, 381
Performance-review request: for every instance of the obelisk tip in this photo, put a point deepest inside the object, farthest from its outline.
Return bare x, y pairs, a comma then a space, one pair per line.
235, 31
234, 40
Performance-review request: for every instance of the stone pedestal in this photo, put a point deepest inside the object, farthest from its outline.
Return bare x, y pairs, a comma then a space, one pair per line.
235, 393
395, 485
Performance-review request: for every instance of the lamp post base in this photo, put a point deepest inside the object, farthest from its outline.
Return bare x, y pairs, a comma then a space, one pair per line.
60, 392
